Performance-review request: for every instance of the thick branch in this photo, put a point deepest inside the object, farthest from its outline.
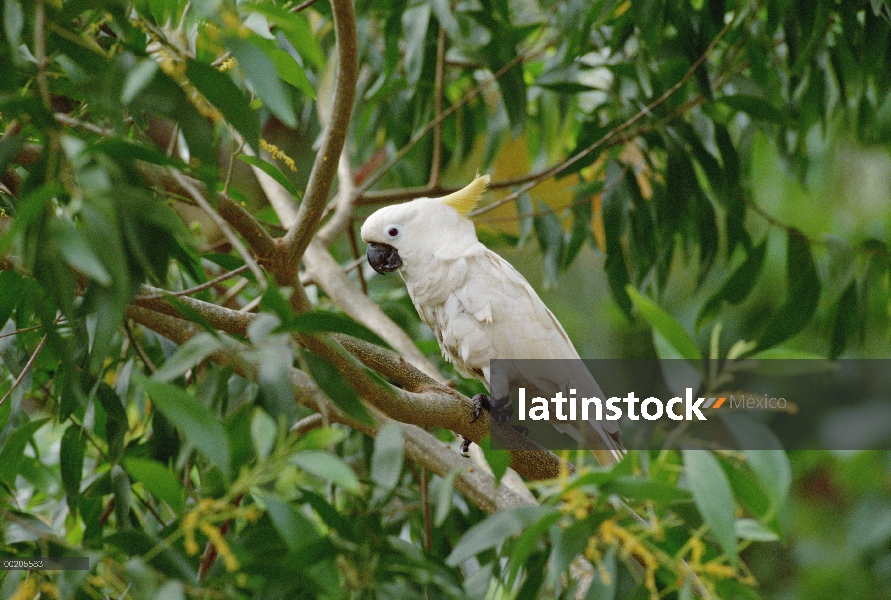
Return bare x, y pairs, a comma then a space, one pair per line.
345, 201
325, 166
423, 402
420, 446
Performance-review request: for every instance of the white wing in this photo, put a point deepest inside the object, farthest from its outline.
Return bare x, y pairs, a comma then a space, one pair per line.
492, 312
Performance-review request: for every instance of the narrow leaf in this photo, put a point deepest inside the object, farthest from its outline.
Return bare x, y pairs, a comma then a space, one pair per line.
672, 331
273, 171
71, 463
494, 530
327, 466
197, 423
713, 497
159, 480
386, 462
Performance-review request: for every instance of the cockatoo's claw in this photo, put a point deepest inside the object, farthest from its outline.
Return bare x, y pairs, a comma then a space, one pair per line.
480, 402
465, 446
524, 431
500, 409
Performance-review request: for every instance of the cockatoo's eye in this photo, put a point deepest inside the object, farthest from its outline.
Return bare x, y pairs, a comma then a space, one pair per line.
393, 231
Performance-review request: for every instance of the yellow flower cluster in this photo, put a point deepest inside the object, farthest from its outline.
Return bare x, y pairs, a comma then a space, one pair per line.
227, 65
611, 533
176, 69
276, 153
202, 517
715, 568
27, 590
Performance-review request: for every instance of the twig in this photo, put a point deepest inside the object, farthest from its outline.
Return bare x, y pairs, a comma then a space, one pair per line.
150, 365
203, 286
438, 82
25, 370
325, 166
77, 123
32, 328
303, 6
306, 424
242, 250
40, 53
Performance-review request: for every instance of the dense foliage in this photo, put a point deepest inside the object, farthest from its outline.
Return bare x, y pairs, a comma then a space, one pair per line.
719, 169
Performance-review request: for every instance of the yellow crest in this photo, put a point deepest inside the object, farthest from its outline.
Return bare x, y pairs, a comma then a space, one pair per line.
466, 198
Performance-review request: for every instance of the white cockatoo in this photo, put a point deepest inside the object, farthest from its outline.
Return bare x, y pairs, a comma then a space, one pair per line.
478, 305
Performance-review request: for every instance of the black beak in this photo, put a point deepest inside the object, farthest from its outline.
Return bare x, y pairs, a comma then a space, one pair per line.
383, 258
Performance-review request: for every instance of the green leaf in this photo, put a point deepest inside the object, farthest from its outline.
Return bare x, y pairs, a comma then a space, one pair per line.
803, 295
494, 530
754, 530
138, 78
116, 424
316, 322
120, 485
498, 460
774, 472
446, 18
123, 150
197, 423
713, 497
645, 489
328, 467
259, 69
160, 481
12, 452
672, 331
549, 231
737, 286
273, 171
71, 463
845, 320
295, 529
415, 21
189, 355
443, 497
335, 385
264, 432
13, 23
616, 201
29, 209
386, 461
291, 71
603, 587
5, 411
757, 108
11, 287
222, 92
296, 28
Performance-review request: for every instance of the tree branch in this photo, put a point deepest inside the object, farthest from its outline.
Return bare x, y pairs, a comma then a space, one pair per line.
420, 446
423, 401
325, 166
328, 275
438, 83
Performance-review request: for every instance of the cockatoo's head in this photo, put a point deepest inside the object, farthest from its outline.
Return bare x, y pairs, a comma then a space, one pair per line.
408, 236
